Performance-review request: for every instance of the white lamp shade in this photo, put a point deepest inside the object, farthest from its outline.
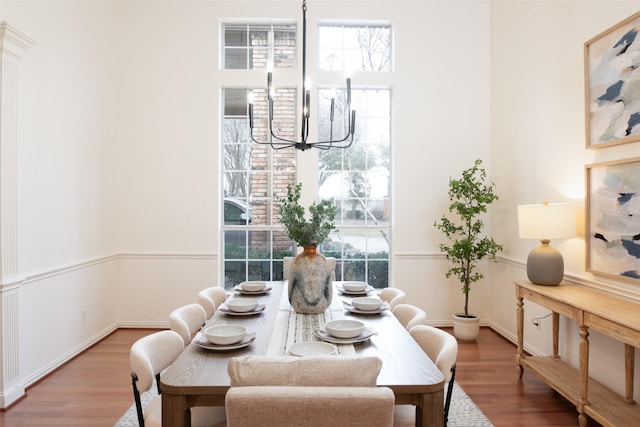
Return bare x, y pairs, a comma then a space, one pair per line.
547, 221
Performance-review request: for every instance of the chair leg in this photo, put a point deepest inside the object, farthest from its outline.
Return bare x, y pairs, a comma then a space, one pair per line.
136, 398
447, 402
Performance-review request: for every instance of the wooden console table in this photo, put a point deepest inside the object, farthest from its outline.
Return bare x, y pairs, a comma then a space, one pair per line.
606, 313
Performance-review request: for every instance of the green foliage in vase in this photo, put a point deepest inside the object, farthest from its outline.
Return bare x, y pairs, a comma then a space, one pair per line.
292, 215
469, 196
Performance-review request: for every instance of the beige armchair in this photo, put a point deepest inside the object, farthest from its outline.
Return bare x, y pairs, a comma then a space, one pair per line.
316, 391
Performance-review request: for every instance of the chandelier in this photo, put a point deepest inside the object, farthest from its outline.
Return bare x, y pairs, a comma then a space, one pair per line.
277, 142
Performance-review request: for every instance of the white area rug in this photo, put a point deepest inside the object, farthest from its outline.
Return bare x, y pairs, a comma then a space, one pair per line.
462, 413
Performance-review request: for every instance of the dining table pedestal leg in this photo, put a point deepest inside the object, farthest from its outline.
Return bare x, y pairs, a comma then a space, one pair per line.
431, 413
178, 413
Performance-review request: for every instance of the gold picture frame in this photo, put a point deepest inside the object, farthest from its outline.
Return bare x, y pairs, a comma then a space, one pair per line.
612, 85
612, 235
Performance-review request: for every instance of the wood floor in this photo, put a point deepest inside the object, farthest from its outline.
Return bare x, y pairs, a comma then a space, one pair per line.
94, 388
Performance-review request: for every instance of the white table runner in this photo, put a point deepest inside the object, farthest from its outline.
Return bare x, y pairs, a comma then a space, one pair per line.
291, 327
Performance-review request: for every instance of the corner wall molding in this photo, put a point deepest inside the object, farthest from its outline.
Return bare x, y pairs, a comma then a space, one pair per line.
14, 42
13, 47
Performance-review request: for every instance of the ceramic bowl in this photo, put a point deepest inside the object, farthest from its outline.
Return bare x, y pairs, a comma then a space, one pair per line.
253, 286
242, 305
345, 328
225, 334
366, 303
354, 286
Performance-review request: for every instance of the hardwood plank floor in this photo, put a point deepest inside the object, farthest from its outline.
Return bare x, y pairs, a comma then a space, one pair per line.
486, 371
94, 388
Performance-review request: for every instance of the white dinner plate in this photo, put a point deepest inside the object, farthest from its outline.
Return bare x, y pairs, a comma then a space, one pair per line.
201, 341
326, 336
312, 348
239, 290
259, 309
350, 308
346, 292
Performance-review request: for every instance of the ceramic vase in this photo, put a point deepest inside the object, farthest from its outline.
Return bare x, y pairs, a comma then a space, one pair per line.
310, 284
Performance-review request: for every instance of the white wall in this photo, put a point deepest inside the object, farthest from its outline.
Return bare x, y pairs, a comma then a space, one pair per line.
119, 155
538, 153
65, 182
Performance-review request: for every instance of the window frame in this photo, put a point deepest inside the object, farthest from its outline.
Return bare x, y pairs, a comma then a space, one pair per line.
247, 78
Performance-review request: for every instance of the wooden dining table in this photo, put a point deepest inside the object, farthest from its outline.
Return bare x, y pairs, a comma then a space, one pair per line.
198, 377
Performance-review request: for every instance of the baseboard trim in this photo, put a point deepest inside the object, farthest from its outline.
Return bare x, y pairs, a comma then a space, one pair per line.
55, 364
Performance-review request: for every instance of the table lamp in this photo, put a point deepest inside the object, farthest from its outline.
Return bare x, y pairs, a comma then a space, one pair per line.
546, 221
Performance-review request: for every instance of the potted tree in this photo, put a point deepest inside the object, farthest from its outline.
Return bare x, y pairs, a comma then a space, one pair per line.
469, 198
310, 286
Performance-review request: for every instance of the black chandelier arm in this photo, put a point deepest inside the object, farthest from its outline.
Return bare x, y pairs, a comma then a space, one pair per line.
277, 142
303, 145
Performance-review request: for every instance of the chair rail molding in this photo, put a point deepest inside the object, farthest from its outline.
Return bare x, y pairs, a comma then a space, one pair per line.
13, 47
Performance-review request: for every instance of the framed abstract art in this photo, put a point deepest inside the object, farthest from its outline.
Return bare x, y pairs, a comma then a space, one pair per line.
612, 85
613, 219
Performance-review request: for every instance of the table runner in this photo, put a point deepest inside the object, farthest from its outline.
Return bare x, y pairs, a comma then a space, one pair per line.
291, 327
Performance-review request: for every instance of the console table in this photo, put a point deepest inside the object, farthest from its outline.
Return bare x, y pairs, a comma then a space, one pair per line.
611, 315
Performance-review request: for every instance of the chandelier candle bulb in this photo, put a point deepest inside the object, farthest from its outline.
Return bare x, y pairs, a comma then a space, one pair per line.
333, 107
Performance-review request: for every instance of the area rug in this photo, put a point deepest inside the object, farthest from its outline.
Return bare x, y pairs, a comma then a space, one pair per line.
462, 413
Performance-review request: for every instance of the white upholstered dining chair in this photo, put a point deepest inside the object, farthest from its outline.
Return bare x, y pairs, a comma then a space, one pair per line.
312, 392
211, 298
442, 349
187, 321
393, 296
149, 356
409, 315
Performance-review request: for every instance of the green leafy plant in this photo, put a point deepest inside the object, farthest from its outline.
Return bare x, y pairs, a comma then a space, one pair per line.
470, 196
292, 215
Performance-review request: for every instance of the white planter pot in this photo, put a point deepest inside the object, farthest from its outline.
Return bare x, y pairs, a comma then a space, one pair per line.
466, 328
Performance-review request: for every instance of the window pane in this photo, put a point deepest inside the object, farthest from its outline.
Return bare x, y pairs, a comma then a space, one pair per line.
284, 51
358, 178
253, 46
236, 59
355, 48
235, 36
253, 174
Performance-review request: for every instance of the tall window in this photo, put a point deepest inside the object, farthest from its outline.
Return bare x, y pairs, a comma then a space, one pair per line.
254, 175
359, 177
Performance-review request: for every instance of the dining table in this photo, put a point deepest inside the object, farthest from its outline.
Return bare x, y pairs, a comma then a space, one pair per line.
198, 377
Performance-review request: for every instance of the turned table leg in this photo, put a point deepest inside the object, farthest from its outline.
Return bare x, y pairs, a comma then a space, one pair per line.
584, 374
629, 354
520, 331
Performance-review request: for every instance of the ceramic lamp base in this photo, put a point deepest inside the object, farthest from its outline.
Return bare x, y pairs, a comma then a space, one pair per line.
545, 265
